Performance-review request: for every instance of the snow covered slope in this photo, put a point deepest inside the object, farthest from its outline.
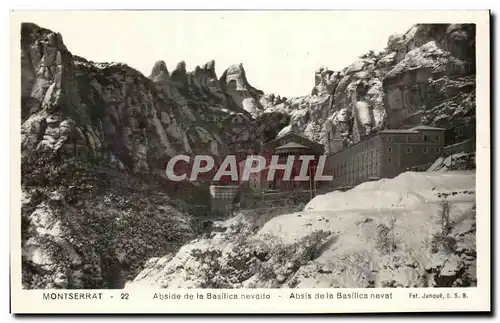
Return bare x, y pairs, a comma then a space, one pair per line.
339, 241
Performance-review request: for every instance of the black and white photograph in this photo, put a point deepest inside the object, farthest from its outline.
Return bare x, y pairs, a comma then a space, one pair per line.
200, 150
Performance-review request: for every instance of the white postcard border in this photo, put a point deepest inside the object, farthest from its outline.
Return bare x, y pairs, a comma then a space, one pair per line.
141, 301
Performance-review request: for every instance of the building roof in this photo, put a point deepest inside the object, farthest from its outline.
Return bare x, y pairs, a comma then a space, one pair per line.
288, 133
292, 145
398, 131
422, 127
411, 130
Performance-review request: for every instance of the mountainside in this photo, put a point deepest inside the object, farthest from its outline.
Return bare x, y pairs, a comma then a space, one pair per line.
340, 240
96, 138
90, 108
89, 225
426, 76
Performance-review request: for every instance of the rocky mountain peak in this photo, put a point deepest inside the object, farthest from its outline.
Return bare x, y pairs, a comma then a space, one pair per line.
234, 77
234, 82
111, 106
179, 73
416, 80
32, 32
159, 72
209, 66
120, 128
114, 131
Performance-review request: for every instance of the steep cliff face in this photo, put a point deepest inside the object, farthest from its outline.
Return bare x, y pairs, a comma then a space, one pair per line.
86, 108
96, 138
426, 76
434, 82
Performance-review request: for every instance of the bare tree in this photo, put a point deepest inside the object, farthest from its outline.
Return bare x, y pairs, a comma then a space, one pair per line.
386, 240
444, 216
392, 227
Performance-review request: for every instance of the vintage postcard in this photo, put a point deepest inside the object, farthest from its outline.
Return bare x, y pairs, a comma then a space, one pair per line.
250, 161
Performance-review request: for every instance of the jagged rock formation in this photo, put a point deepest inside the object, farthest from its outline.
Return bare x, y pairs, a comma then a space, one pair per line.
426, 76
91, 225
234, 82
459, 161
85, 108
113, 130
96, 137
270, 123
337, 245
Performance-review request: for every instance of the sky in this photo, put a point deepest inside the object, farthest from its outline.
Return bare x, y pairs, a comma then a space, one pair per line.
280, 50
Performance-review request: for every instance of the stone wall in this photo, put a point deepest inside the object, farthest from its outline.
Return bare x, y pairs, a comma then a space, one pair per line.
222, 199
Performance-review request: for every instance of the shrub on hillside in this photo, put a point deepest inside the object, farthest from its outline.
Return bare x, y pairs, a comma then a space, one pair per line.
272, 261
385, 238
114, 220
443, 243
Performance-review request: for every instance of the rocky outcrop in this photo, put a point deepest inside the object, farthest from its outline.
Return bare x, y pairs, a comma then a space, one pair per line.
92, 225
270, 123
234, 82
458, 161
113, 130
425, 76
80, 107
434, 82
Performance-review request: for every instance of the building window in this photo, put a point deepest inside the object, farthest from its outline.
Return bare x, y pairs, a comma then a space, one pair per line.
425, 150
426, 138
389, 138
409, 138
437, 137
390, 160
408, 150
390, 149
437, 149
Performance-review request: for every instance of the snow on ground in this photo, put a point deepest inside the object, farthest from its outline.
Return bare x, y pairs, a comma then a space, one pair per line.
349, 252
352, 216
